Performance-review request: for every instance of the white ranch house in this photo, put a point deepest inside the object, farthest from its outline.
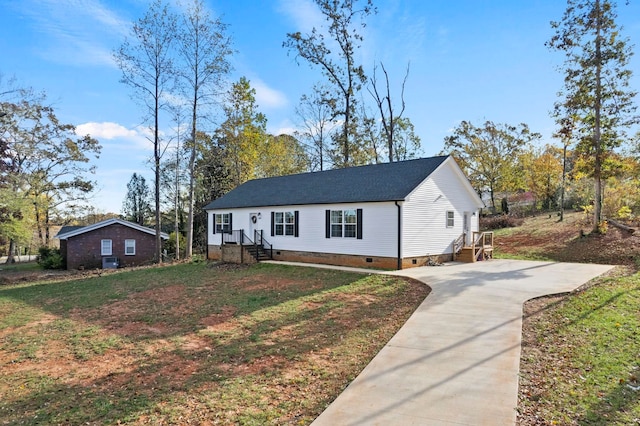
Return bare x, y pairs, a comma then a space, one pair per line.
392, 215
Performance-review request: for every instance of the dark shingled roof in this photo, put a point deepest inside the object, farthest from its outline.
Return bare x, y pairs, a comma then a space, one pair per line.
67, 228
376, 182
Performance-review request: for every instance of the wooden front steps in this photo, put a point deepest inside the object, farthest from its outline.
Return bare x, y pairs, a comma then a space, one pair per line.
480, 249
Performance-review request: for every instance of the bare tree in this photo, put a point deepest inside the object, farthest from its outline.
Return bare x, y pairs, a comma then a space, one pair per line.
147, 67
340, 69
315, 113
385, 106
204, 51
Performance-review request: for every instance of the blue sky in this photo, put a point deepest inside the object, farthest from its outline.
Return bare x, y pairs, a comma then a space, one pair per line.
470, 60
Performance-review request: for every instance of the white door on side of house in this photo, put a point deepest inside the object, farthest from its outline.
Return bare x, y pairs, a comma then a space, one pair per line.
466, 227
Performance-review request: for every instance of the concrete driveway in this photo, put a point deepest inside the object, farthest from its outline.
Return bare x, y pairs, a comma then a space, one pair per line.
456, 360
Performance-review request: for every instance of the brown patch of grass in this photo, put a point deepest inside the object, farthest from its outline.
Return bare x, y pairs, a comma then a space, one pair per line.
193, 344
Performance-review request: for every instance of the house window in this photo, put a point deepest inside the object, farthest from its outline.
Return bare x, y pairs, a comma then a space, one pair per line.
284, 223
106, 248
450, 216
223, 223
344, 223
129, 247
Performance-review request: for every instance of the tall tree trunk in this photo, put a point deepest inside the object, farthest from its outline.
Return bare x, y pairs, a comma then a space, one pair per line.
597, 175
156, 158
12, 250
192, 162
176, 225
564, 180
345, 133
47, 238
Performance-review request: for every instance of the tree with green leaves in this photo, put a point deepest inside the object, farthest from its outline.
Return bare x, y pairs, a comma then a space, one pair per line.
137, 203
147, 64
341, 69
204, 50
543, 173
596, 103
48, 163
406, 144
213, 180
243, 132
281, 155
489, 154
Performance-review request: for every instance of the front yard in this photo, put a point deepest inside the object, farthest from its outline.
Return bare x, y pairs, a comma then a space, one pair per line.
190, 343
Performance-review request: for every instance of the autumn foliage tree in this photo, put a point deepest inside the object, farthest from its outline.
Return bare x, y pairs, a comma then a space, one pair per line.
489, 154
595, 106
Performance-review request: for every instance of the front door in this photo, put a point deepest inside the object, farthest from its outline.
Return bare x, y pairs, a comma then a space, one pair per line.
466, 228
254, 226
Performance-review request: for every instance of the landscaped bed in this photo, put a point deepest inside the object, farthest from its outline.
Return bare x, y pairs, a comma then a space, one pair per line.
192, 343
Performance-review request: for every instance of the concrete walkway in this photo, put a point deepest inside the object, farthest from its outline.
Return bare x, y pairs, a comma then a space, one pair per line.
456, 360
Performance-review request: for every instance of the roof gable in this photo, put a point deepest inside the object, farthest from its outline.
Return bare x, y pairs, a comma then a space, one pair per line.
72, 231
371, 183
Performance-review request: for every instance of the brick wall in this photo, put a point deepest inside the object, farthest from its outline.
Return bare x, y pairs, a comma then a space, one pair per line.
216, 253
83, 251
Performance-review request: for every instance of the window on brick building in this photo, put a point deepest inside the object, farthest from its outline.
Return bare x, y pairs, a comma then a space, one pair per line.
106, 248
129, 247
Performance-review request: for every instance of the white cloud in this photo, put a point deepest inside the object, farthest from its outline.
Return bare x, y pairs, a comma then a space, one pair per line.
137, 138
266, 97
304, 13
105, 130
77, 32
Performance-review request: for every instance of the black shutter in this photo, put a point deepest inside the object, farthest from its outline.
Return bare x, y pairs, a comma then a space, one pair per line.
214, 223
296, 215
273, 223
327, 223
230, 223
359, 224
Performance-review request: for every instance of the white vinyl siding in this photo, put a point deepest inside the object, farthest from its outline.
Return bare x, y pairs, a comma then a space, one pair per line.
425, 230
106, 248
424, 224
450, 218
379, 229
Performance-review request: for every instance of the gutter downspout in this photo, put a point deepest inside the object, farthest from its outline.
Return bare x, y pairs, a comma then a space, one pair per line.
399, 266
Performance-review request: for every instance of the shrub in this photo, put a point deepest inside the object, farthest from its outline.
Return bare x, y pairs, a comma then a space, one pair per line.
624, 213
499, 222
50, 258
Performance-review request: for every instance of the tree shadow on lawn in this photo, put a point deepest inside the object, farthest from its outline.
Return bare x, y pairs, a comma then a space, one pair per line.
299, 349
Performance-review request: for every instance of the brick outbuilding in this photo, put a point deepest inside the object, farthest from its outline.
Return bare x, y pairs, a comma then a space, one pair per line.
110, 243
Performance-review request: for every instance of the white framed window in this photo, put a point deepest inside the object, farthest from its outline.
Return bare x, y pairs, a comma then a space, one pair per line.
129, 247
450, 217
344, 223
223, 223
106, 248
284, 223
336, 223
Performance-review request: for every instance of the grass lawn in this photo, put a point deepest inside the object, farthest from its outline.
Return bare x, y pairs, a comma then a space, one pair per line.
580, 360
581, 357
191, 343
